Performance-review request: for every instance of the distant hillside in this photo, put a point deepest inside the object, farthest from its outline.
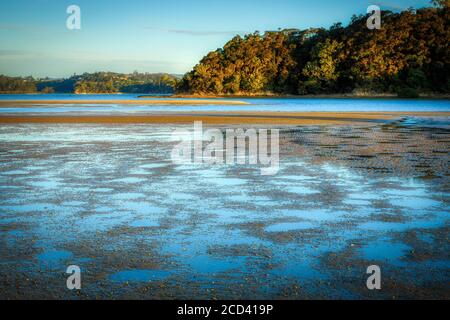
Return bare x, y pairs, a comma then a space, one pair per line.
17, 85
100, 82
408, 55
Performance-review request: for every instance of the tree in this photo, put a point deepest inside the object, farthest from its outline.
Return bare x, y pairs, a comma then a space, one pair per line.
48, 90
323, 66
411, 50
441, 3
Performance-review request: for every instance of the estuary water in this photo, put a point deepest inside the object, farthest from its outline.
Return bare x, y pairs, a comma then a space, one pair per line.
272, 104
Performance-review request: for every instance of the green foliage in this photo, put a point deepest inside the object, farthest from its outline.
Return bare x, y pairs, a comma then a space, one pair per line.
321, 71
17, 85
48, 90
109, 82
254, 64
441, 3
416, 79
411, 50
100, 82
408, 93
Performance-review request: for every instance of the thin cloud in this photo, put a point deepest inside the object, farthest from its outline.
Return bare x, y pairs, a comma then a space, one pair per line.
200, 33
73, 56
11, 27
23, 27
13, 52
19, 54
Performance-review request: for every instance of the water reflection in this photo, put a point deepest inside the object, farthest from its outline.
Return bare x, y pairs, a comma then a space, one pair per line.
109, 193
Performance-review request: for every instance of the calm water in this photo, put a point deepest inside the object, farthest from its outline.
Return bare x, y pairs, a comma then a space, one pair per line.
338, 105
69, 96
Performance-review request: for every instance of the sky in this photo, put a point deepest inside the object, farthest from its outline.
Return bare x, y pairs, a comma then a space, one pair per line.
150, 35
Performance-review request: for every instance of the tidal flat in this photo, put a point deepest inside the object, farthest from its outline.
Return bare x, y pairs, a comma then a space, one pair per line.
107, 198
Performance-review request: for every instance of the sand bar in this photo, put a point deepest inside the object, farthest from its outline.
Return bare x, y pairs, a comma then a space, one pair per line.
272, 118
18, 103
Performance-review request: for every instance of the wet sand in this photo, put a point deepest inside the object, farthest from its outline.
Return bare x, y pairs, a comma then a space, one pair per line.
268, 118
107, 198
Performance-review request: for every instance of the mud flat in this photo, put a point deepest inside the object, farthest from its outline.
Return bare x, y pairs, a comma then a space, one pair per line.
107, 198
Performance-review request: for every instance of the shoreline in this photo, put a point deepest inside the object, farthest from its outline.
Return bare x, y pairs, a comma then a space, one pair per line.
225, 118
426, 96
13, 103
313, 96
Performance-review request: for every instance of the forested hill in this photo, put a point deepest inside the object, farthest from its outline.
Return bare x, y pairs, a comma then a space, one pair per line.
99, 82
410, 53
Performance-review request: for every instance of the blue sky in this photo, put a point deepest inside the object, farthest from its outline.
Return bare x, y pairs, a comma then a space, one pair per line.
148, 35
